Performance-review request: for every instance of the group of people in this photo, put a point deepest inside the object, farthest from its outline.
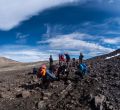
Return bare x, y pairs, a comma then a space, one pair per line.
54, 71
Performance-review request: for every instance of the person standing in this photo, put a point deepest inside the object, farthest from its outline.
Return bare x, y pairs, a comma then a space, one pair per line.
73, 62
81, 58
61, 59
67, 58
50, 63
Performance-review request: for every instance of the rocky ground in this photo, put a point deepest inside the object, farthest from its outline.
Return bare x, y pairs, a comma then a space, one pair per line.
100, 90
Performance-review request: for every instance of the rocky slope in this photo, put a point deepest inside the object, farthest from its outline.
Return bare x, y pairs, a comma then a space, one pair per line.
100, 90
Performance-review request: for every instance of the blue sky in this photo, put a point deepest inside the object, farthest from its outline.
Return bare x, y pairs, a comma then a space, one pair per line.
32, 30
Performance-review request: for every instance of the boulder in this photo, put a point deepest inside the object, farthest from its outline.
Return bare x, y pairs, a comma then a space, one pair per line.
99, 100
41, 105
26, 94
6, 95
23, 94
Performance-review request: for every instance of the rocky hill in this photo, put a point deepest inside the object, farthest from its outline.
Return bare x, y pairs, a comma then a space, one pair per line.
114, 53
99, 90
6, 61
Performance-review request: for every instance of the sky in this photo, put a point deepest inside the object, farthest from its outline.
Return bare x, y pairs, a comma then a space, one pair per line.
31, 30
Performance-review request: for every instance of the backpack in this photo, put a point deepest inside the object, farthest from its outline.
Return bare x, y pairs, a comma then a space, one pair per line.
83, 68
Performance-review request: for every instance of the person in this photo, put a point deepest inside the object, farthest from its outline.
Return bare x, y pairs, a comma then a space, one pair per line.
45, 75
73, 62
50, 62
61, 59
83, 69
63, 71
42, 73
67, 58
34, 71
81, 58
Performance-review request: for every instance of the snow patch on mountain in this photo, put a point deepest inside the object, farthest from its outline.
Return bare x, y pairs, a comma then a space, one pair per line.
112, 56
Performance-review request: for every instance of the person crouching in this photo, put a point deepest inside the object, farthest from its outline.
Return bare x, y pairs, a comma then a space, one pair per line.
42, 73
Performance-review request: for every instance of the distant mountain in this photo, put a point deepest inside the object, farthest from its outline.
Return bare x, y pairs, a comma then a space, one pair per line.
7, 61
113, 54
4, 60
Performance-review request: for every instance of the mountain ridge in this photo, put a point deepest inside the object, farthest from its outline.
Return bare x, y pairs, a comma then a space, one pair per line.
8, 60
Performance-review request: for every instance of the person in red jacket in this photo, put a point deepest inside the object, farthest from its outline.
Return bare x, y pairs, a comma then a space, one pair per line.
61, 59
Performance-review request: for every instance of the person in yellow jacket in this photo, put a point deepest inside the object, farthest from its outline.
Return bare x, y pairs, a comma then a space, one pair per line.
45, 74
42, 74
42, 71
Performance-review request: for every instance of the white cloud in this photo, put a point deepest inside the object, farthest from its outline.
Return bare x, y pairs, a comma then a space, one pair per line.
13, 12
25, 53
75, 41
112, 33
112, 40
21, 38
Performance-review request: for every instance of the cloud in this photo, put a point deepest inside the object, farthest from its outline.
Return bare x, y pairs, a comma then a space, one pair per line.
112, 33
25, 53
76, 41
12, 13
21, 38
112, 40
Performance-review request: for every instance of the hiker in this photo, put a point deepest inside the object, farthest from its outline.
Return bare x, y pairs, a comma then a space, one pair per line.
34, 71
42, 72
61, 59
50, 62
45, 74
73, 62
67, 58
81, 58
82, 70
63, 71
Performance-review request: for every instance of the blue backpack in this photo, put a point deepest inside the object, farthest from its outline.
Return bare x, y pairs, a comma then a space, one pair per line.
83, 69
